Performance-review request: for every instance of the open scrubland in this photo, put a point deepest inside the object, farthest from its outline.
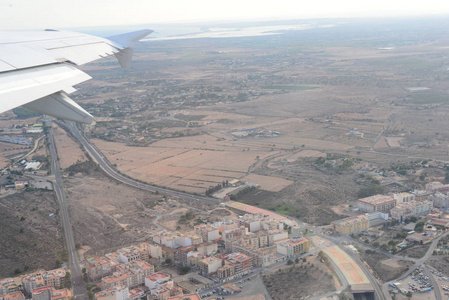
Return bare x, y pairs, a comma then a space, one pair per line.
32, 236
194, 113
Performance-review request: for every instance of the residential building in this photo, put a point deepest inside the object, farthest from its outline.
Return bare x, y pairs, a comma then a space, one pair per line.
129, 275
118, 292
262, 257
404, 197
99, 267
13, 296
207, 248
421, 195
154, 251
42, 293
411, 209
440, 222
293, 247
62, 294
31, 282
138, 293
176, 240
351, 225
161, 286
207, 232
440, 200
375, 203
209, 265
54, 278
7, 286
234, 264
234, 233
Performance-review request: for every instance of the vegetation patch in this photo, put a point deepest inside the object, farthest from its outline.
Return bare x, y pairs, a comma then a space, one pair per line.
289, 87
428, 99
312, 279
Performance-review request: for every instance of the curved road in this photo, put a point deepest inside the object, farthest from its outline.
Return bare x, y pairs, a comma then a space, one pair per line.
98, 157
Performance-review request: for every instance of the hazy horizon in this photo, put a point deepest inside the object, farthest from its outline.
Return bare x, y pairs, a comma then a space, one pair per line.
22, 14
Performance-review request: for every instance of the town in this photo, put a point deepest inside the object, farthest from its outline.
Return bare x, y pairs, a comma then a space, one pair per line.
214, 259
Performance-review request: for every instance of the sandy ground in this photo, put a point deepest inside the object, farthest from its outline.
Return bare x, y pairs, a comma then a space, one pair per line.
187, 164
69, 152
394, 141
268, 183
352, 272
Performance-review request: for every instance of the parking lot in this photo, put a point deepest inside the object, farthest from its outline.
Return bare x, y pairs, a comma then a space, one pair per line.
418, 284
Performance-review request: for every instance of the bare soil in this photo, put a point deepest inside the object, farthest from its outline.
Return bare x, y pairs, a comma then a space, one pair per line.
384, 267
441, 263
31, 239
416, 251
310, 279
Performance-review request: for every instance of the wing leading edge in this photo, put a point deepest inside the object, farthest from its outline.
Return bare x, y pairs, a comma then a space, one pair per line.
37, 68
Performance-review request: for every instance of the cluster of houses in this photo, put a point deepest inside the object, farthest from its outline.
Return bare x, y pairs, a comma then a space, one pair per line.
46, 285
218, 252
432, 202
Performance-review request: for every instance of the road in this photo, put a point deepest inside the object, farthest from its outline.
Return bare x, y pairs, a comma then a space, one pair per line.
79, 289
103, 163
97, 156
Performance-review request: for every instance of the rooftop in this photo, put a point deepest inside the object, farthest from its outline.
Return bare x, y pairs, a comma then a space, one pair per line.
185, 297
377, 199
13, 296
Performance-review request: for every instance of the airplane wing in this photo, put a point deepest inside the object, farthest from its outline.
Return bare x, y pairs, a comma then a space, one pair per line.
37, 68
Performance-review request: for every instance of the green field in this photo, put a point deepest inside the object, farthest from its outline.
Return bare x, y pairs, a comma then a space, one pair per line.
289, 87
428, 99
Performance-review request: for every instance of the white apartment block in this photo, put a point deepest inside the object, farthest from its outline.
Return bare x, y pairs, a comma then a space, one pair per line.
411, 209
404, 197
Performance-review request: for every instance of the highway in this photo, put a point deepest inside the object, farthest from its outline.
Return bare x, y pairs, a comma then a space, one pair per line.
79, 289
100, 159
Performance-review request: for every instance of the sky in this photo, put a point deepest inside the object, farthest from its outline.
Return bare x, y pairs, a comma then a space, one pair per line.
60, 14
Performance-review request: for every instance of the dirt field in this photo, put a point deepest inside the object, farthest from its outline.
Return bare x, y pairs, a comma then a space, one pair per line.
108, 215
69, 152
183, 163
441, 263
268, 183
311, 278
386, 269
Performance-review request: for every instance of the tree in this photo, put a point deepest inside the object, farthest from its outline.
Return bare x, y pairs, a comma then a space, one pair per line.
370, 191
168, 261
290, 262
183, 270
68, 280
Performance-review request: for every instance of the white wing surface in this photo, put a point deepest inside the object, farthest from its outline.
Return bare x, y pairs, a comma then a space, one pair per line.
37, 68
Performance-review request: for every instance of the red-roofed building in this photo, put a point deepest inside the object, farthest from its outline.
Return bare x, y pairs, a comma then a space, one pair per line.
99, 267
7, 286
43, 293
62, 294
13, 296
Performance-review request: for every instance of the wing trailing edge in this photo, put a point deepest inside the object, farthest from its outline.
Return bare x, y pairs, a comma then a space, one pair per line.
36, 68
